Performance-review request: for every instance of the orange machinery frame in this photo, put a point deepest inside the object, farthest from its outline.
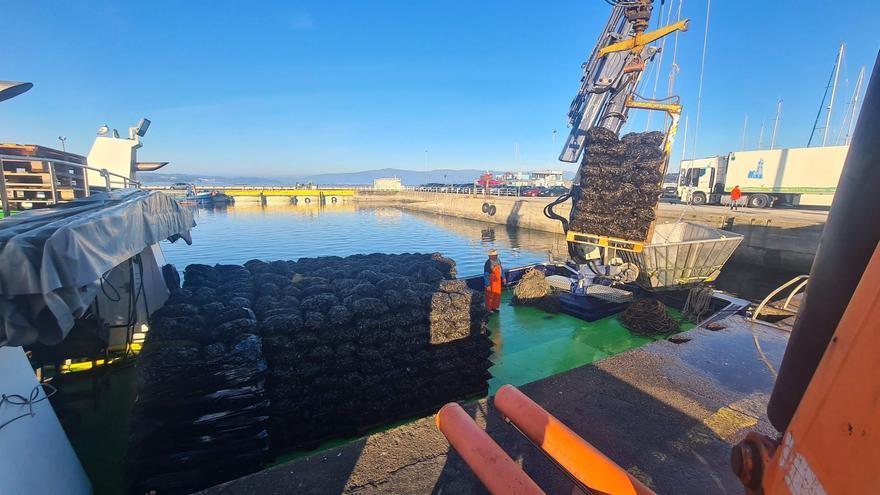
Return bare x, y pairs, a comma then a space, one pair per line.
831, 445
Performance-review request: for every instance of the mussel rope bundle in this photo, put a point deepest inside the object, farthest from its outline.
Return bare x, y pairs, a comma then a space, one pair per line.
648, 317
534, 290
531, 287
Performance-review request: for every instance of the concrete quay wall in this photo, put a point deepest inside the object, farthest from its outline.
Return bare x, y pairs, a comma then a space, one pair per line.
776, 239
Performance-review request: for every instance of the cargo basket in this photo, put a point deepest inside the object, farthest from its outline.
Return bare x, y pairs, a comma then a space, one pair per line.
682, 254
604, 241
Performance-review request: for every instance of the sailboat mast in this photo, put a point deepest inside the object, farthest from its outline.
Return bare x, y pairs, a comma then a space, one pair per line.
833, 92
761, 135
776, 124
742, 145
855, 105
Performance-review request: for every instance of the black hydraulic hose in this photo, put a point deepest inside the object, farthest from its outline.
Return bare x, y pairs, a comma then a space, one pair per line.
574, 251
552, 215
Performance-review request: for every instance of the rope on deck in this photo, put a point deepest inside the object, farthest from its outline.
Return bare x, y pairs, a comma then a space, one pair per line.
648, 317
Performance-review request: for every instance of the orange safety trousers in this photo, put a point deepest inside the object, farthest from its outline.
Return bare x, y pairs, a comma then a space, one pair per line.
493, 292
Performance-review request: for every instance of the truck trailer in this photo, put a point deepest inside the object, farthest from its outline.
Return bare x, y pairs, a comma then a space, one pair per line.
782, 177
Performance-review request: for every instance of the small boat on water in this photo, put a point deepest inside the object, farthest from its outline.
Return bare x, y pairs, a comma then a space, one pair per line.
207, 198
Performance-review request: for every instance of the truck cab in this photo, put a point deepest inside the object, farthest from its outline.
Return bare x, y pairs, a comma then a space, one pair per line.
701, 181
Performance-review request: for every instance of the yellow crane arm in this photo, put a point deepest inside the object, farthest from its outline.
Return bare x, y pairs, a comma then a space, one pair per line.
640, 40
674, 111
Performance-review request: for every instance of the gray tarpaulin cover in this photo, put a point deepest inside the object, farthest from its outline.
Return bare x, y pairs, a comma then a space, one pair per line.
52, 260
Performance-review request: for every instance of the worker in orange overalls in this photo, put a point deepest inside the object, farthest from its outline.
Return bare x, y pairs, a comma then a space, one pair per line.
493, 278
735, 196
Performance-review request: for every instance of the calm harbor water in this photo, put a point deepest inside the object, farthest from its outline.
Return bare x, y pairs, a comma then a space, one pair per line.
281, 231
245, 231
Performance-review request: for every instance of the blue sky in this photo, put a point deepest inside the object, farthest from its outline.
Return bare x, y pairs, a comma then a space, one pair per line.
288, 88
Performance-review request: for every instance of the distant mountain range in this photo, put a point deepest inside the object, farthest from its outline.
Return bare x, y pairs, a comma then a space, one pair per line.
163, 179
407, 177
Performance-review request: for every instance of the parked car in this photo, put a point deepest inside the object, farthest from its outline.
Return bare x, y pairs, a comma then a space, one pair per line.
554, 191
531, 192
669, 192
181, 186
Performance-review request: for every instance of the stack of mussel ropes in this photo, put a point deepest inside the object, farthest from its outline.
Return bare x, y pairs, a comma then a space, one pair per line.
620, 184
345, 344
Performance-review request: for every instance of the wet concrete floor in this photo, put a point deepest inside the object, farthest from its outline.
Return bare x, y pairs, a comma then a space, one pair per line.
666, 412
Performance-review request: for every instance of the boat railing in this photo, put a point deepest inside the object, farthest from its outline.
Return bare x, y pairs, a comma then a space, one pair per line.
803, 279
75, 174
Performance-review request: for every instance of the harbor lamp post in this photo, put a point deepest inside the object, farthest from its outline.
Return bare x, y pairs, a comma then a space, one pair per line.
427, 174
63, 139
9, 89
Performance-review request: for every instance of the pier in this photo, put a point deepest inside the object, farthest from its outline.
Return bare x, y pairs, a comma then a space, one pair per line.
262, 193
776, 239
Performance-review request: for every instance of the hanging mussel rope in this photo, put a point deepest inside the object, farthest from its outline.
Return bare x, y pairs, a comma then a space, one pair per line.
698, 304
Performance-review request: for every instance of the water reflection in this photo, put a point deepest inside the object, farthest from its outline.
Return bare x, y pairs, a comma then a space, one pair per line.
497, 236
248, 230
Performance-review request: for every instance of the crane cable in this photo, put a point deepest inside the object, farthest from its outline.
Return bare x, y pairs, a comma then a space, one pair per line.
659, 62
673, 69
700, 90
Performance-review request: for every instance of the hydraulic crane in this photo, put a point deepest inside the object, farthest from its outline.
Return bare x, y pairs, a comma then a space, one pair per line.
611, 74
607, 92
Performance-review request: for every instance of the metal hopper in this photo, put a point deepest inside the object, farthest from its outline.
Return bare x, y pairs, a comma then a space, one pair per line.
682, 254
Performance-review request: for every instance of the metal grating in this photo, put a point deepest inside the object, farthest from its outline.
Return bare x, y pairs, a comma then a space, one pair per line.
609, 294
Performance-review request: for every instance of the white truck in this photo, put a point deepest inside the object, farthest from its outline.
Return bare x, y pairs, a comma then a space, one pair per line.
790, 177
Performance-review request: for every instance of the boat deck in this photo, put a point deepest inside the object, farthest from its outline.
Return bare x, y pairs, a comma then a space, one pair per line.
531, 344
667, 412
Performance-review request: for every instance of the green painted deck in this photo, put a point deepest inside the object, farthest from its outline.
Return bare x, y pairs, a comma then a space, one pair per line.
531, 344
